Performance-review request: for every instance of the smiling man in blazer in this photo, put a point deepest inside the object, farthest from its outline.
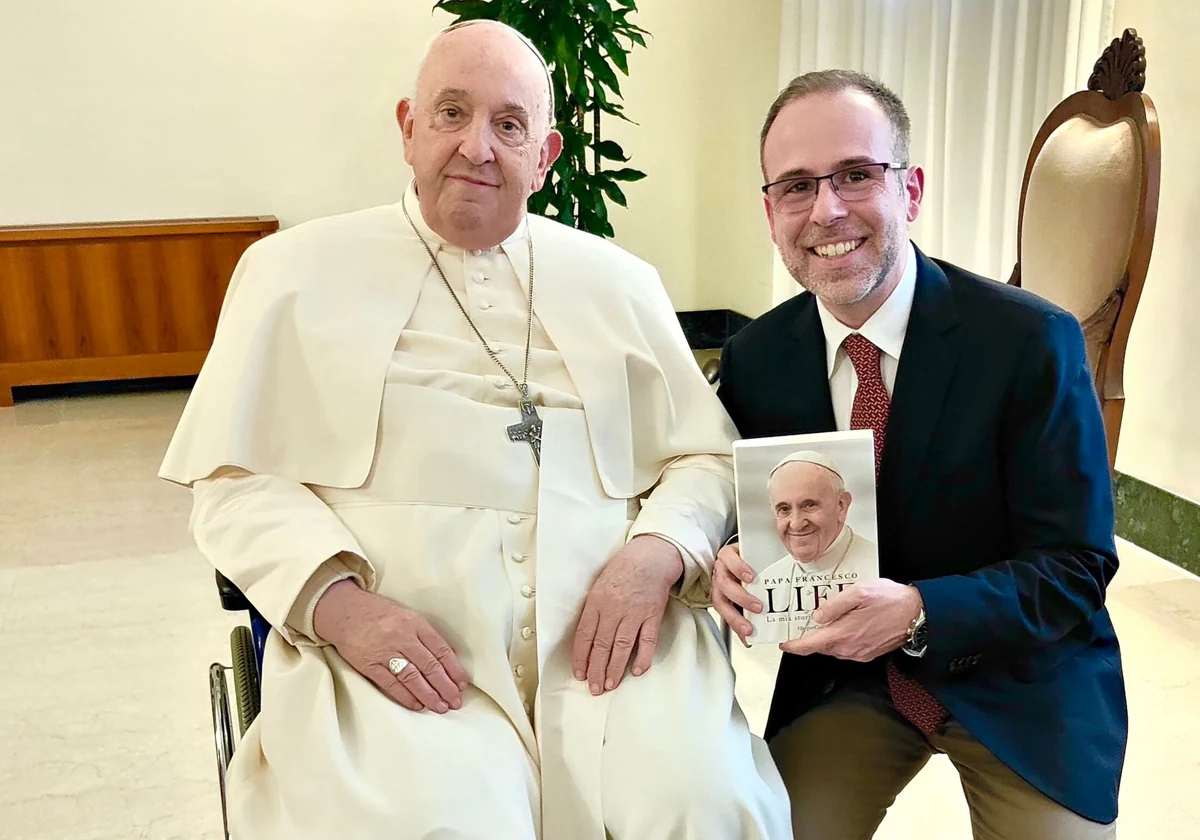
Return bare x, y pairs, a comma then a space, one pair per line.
987, 637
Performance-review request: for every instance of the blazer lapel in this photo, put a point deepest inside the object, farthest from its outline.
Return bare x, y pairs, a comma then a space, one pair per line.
927, 364
811, 399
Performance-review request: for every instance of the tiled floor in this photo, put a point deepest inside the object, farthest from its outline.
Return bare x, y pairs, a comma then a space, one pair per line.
109, 620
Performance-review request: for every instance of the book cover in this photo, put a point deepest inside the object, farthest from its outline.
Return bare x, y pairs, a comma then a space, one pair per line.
806, 524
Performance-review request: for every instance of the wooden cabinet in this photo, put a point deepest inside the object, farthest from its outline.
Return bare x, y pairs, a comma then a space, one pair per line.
114, 301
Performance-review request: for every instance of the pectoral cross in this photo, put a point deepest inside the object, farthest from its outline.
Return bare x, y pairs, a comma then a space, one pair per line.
529, 430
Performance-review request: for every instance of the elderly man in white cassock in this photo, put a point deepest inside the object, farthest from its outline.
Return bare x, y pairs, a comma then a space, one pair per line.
463, 461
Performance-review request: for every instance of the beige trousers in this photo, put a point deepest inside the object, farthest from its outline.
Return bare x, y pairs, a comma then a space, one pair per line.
845, 762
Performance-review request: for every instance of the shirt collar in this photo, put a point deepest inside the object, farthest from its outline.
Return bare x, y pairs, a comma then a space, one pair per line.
886, 328
837, 548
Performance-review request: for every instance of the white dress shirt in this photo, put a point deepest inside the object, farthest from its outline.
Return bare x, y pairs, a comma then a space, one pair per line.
885, 329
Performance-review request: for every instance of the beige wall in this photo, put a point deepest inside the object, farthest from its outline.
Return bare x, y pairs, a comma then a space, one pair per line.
1159, 441
739, 74
141, 109
699, 95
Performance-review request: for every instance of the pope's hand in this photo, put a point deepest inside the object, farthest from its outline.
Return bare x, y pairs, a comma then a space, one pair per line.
625, 608
730, 576
369, 631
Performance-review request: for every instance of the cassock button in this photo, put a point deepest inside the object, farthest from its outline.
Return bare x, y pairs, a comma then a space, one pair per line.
518, 557
527, 633
519, 670
479, 278
514, 519
528, 591
485, 306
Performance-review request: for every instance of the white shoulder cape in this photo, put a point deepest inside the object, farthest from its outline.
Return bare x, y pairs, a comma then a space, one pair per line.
293, 383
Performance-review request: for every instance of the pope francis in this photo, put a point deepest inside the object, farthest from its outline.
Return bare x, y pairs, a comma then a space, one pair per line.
810, 504
464, 462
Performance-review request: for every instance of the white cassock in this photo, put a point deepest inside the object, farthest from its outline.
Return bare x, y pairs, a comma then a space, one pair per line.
348, 423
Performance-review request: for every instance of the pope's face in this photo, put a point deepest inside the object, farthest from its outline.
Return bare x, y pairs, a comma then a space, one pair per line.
809, 510
478, 134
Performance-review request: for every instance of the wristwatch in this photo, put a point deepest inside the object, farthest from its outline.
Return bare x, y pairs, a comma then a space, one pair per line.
916, 643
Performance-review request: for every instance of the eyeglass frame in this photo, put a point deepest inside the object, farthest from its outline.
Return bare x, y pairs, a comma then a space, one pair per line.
887, 167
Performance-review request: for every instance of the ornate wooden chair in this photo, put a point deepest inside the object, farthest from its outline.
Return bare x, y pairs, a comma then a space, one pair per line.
1089, 203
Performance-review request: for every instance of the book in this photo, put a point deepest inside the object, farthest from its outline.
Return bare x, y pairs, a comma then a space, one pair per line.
807, 524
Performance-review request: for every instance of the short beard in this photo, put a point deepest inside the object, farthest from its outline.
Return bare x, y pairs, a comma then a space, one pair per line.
848, 294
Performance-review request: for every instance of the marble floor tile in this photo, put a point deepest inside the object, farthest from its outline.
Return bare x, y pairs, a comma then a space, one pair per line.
1138, 567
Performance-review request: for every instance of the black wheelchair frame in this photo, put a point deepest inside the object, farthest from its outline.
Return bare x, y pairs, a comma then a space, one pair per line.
246, 644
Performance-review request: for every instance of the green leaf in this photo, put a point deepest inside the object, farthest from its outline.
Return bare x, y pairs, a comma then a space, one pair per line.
606, 104
469, 9
635, 34
575, 142
627, 175
569, 61
600, 69
538, 202
611, 150
603, 228
617, 53
603, 11
614, 192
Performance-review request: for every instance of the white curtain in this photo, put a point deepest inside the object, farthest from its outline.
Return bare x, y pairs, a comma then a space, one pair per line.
978, 78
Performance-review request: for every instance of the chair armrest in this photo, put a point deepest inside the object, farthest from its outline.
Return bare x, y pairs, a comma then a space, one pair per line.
232, 598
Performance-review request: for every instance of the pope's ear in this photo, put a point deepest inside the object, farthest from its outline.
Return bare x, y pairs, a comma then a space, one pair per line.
404, 117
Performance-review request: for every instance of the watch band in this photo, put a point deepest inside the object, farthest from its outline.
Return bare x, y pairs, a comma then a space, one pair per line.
915, 644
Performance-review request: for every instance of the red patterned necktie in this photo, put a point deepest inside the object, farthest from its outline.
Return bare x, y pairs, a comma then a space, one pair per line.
870, 411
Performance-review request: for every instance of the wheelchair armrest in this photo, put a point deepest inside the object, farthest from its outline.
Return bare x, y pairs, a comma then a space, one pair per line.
232, 598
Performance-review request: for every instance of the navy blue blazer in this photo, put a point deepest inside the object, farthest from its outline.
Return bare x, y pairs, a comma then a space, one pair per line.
995, 500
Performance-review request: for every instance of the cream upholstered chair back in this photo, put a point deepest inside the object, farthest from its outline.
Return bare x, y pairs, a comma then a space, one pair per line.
1088, 209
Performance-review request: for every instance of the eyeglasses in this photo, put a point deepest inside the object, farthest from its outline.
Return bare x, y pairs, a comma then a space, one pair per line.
854, 183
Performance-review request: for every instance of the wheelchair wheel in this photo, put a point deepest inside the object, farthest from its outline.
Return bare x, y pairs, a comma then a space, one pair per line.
245, 676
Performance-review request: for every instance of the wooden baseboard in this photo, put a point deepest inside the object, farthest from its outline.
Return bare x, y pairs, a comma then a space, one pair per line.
58, 371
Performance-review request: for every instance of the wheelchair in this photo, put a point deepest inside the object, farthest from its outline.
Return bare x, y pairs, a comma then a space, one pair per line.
246, 644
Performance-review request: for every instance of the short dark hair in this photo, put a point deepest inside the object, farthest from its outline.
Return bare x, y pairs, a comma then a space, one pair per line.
835, 81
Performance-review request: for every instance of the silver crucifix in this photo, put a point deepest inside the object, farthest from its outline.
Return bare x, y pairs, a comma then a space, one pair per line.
529, 430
